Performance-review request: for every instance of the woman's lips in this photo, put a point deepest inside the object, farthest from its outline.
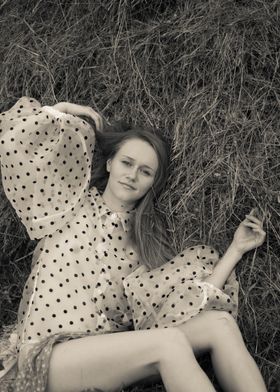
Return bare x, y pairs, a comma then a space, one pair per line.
127, 186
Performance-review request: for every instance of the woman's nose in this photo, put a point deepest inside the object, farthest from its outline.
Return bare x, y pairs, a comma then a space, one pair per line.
133, 174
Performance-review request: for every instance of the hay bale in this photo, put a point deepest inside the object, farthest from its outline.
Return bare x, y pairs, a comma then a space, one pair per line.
207, 74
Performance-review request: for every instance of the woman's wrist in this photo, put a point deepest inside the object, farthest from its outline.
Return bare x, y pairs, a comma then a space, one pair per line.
234, 252
224, 266
61, 107
72, 108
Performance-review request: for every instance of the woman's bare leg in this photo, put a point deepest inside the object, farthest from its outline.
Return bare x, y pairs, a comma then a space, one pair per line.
112, 361
218, 333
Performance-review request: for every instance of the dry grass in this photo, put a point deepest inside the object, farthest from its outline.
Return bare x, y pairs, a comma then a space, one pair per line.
207, 74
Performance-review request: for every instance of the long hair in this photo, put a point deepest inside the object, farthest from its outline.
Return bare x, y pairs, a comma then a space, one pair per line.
149, 229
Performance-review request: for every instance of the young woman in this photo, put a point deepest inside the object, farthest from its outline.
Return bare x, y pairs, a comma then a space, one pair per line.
106, 305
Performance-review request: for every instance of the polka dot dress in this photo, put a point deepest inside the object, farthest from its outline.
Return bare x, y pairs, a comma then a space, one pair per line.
175, 292
86, 278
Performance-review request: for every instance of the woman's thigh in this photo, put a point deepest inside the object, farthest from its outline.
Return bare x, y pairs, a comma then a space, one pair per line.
107, 362
209, 329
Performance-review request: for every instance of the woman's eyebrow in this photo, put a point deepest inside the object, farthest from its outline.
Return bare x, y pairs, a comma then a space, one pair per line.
132, 159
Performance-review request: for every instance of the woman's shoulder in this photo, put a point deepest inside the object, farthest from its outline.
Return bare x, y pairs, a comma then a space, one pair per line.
23, 106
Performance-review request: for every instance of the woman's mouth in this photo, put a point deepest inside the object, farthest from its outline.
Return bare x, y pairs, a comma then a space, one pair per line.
127, 186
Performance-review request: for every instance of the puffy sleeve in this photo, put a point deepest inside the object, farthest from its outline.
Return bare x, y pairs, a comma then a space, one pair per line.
175, 292
45, 164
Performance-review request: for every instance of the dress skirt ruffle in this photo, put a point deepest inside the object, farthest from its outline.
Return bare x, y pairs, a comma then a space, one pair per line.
32, 373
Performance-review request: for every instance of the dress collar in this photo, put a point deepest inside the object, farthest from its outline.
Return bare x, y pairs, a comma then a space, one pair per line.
113, 217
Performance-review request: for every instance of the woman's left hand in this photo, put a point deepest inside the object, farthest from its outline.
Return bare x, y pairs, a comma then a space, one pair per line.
80, 110
249, 234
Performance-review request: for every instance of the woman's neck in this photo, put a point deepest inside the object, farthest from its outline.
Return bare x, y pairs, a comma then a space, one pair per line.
115, 204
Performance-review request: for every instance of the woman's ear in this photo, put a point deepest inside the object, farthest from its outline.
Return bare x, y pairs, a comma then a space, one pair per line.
108, 165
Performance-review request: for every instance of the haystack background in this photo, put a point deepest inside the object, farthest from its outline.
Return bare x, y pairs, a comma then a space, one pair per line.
207, 74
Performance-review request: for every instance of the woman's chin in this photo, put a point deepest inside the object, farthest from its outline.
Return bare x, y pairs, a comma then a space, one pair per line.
127, 195
127, 200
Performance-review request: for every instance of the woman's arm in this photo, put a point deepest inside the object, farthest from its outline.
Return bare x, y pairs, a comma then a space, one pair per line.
224, 267
79, 110
249, 235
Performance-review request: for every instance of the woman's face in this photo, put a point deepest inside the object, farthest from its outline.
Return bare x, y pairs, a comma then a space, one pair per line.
131, 171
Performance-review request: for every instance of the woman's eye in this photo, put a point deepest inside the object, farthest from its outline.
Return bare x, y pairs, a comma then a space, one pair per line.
147, 173
126, 163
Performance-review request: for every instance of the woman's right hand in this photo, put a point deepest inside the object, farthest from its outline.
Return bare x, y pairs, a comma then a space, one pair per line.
249, 234
89, 112
79, 110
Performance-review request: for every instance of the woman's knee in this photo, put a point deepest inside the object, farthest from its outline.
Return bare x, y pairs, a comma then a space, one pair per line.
222, 326
174, 343
222, 319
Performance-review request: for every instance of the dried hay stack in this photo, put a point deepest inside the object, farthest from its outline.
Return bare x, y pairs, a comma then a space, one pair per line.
207, 74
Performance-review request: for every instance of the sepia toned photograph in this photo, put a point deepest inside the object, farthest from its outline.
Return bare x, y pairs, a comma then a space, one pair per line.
140, 196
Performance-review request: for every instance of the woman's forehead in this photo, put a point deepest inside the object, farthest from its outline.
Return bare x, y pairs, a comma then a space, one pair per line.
140, 151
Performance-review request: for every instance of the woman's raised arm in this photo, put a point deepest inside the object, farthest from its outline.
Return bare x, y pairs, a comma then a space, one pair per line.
79, 110
249, 235
46, 160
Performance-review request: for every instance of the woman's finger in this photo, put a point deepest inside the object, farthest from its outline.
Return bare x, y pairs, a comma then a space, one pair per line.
251, 224
254, 219
97, 119
260, 231
260, 236
255, 228
99, 122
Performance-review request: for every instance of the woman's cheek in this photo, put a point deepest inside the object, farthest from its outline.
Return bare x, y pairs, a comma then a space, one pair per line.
149, 184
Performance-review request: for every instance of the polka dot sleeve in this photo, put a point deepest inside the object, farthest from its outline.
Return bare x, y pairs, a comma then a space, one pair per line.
175, 292
45, 164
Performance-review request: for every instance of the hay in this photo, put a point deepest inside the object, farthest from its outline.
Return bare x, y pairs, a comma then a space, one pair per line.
207, 74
